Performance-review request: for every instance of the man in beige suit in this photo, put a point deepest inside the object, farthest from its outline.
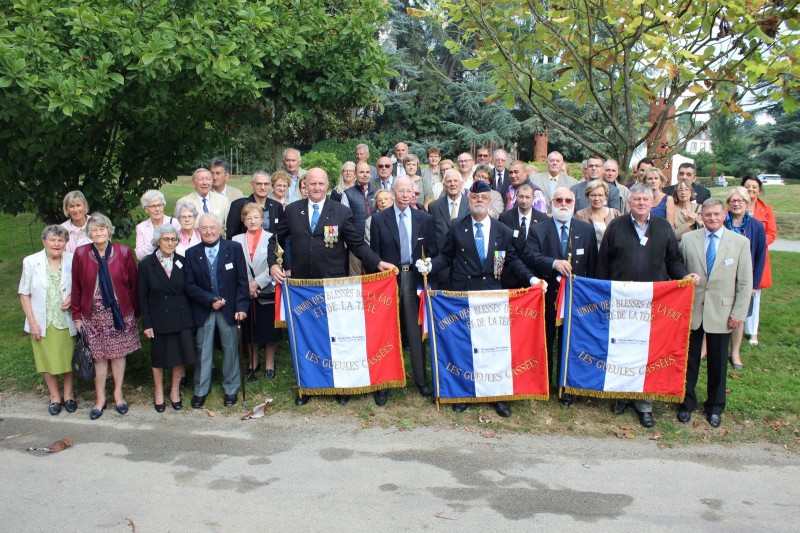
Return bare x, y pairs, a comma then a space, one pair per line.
204, 198
554, 178
721, 300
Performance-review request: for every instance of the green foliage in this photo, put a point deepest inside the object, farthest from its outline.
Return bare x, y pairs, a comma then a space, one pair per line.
343, 150
778, 146
326, 161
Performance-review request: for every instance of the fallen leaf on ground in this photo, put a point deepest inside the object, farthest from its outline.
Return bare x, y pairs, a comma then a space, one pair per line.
470, 429
210, 412
56, 447
625, 428
132, 524
655, 436
548, 422
489, 434
724, 432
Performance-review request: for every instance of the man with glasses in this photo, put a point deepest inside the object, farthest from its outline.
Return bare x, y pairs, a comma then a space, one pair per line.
450, 206
553, 178
484, 157
687, 171
261, 183
464, 162
594, 171
385, 178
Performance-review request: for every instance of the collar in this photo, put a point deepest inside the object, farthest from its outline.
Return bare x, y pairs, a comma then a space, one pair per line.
635, 223
718, 233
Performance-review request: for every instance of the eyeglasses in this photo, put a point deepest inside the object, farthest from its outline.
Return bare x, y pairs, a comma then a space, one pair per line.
155, 206
568, 201
735, 201
205, 229
483, 155
262, 184
186, 217
169, 239
384, 166
464, 160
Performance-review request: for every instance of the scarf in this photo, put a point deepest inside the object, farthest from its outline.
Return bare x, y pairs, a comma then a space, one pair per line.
742, 229
107, 288
166, 262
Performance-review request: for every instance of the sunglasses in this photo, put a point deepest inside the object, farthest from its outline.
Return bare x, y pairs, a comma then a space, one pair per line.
568, 201
384, 166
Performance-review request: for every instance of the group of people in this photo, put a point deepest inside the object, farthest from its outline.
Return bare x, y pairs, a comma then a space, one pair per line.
470, 226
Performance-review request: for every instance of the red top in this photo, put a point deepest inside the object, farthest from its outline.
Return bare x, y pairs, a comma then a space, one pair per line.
84, 280
764, 214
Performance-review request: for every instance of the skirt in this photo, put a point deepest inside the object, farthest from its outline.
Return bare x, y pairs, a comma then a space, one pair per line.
53, 352
169, 350
105, 341
262, 324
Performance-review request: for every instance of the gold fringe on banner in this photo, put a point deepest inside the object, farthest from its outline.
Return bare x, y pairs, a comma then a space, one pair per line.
492, 399
280, 324
330, 391
328, 282
617, 395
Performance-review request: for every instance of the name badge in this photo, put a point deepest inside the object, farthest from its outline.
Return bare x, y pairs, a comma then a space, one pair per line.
579, 251
178, 263
643, 241
228, 266
728, 261
516, 233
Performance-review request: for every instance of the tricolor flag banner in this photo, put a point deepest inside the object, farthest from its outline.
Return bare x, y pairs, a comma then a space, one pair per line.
624, 339
487, 346
344, 333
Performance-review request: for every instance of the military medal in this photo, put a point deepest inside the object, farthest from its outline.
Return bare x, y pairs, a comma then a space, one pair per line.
499, 260
331, 235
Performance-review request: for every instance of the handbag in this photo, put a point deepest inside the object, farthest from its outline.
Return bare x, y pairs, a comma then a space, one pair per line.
82, 360
266, 295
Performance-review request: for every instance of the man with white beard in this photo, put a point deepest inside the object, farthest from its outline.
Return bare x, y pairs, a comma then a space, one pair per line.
562, 246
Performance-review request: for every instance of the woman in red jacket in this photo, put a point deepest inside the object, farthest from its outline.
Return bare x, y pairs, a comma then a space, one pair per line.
105, 306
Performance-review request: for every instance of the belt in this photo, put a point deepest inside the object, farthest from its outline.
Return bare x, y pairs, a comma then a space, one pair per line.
405, 268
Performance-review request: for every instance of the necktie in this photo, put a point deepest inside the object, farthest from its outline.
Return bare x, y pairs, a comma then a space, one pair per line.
212, 256
405, 246
453, 210
499, 181
205, 205
523, 229
385, 185
711, 254
314, 218
564, 238
479, 242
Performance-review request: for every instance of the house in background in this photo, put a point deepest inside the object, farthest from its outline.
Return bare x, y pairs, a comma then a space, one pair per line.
700, 143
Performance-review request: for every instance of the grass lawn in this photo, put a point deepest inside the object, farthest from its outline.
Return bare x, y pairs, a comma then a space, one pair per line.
785, 201
763, 398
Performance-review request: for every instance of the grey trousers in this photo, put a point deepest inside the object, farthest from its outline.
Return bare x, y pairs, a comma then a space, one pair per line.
204, 343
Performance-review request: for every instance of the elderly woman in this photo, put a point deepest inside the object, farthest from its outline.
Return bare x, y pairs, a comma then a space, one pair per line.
598, 214
739, 221
188, 236
44, 292
153, 203
105, 304
763, 213
347, 178
383, 200
411, 166
77, 209
259, 327
496, 204
166, 314
280, 187
687, 212
663, 204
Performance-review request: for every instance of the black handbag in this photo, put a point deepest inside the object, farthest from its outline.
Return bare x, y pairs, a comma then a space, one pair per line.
82, 360
266, 295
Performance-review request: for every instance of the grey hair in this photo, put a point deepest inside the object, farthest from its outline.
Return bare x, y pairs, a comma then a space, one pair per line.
151, 195
452, 171
57, 230
72, 197
99, 220
219, 162
641, 188
411, 158
713, 202
362, 146
209, 216
183, 204
260, 173
741, 191
300, 157
198, 171
163, 229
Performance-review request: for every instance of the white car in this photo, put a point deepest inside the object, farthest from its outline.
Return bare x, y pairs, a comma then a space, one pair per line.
771, 179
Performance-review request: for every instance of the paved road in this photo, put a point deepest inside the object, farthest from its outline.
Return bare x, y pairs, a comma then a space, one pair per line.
186, 471
783, 245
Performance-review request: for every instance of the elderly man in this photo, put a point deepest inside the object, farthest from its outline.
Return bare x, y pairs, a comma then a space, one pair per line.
554, 178
561, 246
315, 253
465, 164
640, 248
360, 198
401, 235
261, 183
216, 283
721, 302
483, 157
500, 182
617, 193
520, 219
452, 205
204, 198
594, 171
220, 172
469, 253
291, 163
385, 178
400, 153
687, 171
362, 156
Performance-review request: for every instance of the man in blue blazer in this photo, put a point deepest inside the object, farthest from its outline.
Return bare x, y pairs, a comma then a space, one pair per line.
216, 283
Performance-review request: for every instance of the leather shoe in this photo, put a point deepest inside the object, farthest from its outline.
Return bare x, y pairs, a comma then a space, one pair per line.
122, 408
684, 416
646, 419
714, 421
503, 409
565, 400
300, 400
198, 401
70, 406
269, 373
381, 396
342, 399
177, 405
251, 376
619, 407
425, 390
459, 407
160, 407
230, 399
97, 413
54, 408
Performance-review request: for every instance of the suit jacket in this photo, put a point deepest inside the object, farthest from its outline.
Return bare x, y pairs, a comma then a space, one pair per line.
511, 219
725, 293
217, 204
460, 254
34, 284
544, 247
542, 180
310, 257
503, 187
376, 183
582, 202
273, 210
163, 301
258, 268
440, 211
232, 193
385, 237
84, 280
231, 281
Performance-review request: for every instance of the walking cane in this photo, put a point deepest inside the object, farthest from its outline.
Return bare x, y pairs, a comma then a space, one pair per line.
241, 366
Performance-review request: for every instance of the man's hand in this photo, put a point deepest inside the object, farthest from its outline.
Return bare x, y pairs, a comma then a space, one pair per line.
216, 305
241, 315
733, 323
277, 274
563, 267
423, 266
383, 266
149, 333
694, 277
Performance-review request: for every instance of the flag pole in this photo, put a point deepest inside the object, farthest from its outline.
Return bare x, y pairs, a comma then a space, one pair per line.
431, 334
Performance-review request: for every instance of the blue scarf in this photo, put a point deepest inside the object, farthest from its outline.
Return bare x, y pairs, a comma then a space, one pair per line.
742, 229
107, 288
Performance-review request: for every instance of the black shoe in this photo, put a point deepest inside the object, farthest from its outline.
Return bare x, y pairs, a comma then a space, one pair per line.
97, 413
159, 407
503, 409
459, 407
177, 405
70, 406
269, 373
198, 401
251, 376
425, 390
565, 400
54, 408
646, 419
715, 421
183, 381
381, 396
684, 416
342, 399
619, 407
299, 401
230, 399
122, 408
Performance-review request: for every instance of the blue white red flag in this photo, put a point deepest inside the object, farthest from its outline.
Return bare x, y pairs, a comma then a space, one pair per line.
486, 345
626, 339
344, 333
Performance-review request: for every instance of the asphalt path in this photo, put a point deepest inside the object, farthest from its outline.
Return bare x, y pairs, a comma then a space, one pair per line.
188, 471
